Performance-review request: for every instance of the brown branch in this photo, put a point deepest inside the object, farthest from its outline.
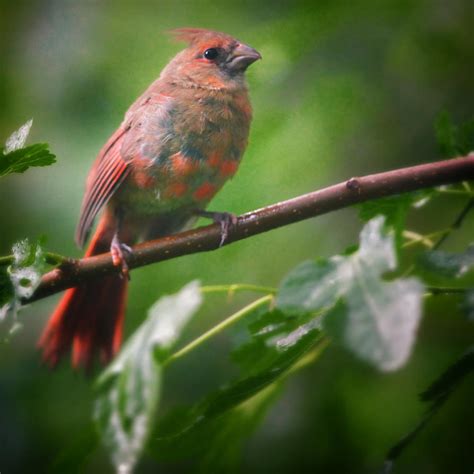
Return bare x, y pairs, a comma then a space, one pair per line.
338, 196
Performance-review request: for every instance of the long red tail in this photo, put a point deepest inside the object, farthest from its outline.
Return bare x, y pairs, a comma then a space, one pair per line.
89, 318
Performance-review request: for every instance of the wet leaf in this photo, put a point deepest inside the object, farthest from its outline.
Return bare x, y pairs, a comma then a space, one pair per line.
129, 389
18, 138
211, 431
447, 264
20, 280
27, 268
271, 331
16, 158
375, 319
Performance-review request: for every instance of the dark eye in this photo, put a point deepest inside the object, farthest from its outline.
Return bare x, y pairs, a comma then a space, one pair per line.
211, 53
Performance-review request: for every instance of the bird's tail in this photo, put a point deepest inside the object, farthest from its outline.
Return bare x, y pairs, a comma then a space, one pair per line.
89, 318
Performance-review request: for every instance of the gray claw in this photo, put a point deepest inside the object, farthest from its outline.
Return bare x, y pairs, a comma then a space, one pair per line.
119, 252
226, 220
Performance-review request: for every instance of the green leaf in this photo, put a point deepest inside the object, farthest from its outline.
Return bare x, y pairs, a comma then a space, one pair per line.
229, 432
436, 395
447, 264
375, 319
271, 329
20, 160
395, 210
214, 444
378, 322
446, 135
212, 431
284, 350
18, 138
287, 350
450, 378
27, 268
15, 158
129, 389
20, 280
454, 140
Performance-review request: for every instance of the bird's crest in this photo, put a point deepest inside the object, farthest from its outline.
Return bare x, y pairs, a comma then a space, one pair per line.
196, 35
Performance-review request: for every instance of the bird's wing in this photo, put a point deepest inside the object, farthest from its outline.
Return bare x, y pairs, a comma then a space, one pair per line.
109, 171
145, 118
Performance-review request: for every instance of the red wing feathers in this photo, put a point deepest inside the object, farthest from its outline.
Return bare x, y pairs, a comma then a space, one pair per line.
106, 175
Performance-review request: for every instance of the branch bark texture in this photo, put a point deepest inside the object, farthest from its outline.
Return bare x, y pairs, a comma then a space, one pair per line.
332, 198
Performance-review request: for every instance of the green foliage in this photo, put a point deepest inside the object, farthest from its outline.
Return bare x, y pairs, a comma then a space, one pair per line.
6, 292
395, 209
436, 395
268, 332
16, 158
454, 140
129, 389
215, 443
346, 298
375, 319
19, 280
28, 265
444, 385
468, 304
345, 88
211, 431
448, 264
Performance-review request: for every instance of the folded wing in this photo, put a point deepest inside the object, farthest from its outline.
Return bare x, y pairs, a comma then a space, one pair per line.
108, 172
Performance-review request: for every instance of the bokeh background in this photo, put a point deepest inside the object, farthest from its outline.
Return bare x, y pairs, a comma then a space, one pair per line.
345, 88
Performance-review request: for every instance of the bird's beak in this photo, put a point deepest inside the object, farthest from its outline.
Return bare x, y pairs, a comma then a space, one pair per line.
242, 57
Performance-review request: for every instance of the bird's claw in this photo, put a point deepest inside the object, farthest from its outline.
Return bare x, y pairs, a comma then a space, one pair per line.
120, 252
225, 219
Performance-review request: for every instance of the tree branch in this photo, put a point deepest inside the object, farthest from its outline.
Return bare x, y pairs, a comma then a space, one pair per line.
338, 196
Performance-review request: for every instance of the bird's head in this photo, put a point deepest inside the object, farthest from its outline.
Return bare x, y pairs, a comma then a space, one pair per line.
212, 60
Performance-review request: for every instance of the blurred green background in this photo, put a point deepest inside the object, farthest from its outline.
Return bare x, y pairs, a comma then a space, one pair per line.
344, 88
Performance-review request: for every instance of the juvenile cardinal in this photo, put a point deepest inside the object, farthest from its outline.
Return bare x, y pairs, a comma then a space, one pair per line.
179, 143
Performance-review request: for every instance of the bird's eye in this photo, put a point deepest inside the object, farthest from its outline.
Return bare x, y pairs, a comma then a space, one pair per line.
211, 53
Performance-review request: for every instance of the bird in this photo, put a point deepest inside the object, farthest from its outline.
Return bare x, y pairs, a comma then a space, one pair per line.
179, 142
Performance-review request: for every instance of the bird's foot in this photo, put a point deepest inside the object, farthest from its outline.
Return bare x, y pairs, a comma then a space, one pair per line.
225, 219
120, 252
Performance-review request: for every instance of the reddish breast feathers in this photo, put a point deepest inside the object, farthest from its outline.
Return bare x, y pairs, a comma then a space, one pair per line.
202, 150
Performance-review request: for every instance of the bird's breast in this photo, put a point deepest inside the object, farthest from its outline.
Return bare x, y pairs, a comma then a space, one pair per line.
202, 149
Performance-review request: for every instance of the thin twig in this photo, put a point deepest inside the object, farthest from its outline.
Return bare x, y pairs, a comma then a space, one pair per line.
433, 290
265, 300
456, 224
51, 258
